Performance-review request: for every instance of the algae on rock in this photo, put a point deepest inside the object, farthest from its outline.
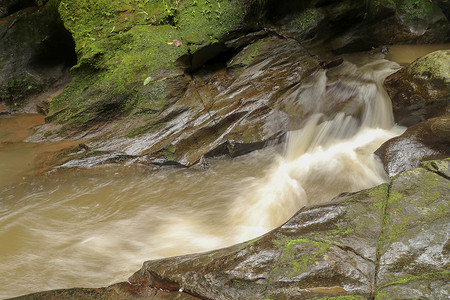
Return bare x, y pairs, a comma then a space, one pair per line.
122, 43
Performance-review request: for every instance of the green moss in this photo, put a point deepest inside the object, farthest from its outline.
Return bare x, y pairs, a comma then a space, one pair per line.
441, 166
435, 64
300, 263
445, 275
382, 295
413, 11
253, 241
121, 43
246, 56
422, 191
169, 152
47, 133
308, 19
136, 131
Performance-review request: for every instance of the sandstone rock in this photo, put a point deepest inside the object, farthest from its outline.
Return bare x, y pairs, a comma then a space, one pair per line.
420, 96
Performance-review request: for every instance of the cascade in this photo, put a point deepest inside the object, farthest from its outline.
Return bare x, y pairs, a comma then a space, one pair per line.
95, 227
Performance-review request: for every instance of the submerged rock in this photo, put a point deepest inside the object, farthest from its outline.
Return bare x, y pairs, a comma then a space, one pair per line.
387, 242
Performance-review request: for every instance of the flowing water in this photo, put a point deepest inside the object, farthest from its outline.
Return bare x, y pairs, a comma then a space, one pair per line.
94, 227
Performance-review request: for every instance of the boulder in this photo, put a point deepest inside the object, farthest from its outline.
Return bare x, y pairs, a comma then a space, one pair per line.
422, 89
427, 140
420, 96
414, 246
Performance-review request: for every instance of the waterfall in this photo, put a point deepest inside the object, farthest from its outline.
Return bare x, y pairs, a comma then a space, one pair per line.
328, 155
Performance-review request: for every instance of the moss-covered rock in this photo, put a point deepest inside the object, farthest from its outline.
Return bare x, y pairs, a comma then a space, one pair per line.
123, 45
422, 89
435, 65
414, 245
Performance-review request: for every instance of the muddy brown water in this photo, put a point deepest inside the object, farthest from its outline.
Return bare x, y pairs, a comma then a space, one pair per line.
405, 54
94, 227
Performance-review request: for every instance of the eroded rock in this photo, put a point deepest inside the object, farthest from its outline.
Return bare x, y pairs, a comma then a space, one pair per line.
414, 251
420, 96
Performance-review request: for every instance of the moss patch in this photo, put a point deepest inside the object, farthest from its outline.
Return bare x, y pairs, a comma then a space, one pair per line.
434, 65
122, 43
301, 253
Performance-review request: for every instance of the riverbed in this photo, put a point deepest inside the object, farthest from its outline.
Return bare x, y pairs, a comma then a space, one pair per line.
93, 227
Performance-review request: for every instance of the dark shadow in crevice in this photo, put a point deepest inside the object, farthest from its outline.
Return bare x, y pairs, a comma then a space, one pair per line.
56, 51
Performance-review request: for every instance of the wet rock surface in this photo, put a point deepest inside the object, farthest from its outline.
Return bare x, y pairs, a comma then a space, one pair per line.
231, 111
414, 251
424, 141
420, 96
35, 54
200, 98
422, 89
387, 242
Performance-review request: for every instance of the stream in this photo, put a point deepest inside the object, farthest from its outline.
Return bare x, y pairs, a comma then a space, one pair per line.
94, 227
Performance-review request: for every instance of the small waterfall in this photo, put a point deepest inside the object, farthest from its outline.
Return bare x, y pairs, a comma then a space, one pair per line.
328, 155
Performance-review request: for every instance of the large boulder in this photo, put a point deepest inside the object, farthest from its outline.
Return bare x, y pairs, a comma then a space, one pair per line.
387, 242
420, 96
414, 246
359, 25
422, 89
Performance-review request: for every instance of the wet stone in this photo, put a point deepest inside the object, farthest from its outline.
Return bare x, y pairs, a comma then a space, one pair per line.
424, 141
414, 252
323, 250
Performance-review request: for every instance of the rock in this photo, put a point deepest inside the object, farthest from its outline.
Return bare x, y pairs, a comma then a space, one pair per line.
445, 6
414, 246
117, 291
387, 242
349, 26
231, 110
325, 250
422, 89
424, 141
11, 6
35, 53
119, 45
420, 96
